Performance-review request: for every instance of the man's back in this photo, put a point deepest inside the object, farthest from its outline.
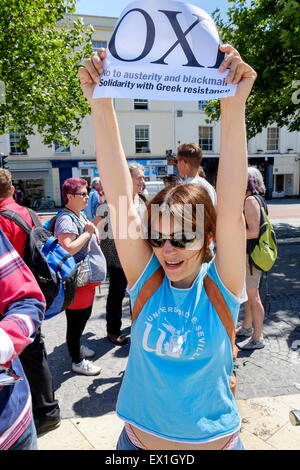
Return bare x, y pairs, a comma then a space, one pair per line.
14, 233
202, 182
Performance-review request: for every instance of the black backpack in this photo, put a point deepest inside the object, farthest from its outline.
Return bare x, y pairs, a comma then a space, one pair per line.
53, 267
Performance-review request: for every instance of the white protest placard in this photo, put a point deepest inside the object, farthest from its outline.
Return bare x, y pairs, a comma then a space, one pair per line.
164, 50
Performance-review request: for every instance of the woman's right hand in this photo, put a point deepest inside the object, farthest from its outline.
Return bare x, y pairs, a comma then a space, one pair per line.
89, 228
90, 74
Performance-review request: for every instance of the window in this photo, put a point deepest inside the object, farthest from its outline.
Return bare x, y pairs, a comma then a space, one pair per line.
60, 147
140, 104
273, 139
202, 105
206, 138
142, 138
15, 144
98, 44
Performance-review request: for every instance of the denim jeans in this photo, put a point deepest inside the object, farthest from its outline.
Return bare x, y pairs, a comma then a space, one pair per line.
28, 440
124, 443
239, 445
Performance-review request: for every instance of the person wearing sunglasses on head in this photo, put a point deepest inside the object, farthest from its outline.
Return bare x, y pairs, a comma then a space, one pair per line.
176, 392
80, 237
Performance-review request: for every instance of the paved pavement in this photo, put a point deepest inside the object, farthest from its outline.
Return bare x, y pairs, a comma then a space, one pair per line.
267, 378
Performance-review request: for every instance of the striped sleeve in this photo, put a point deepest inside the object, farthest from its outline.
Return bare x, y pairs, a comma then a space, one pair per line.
22, 303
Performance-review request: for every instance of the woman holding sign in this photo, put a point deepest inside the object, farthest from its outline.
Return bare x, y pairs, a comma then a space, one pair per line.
176, 390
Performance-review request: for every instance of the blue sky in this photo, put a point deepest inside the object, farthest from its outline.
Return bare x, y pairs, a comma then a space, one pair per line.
115, 7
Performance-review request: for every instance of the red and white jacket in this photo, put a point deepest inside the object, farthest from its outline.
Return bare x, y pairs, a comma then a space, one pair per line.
22, 307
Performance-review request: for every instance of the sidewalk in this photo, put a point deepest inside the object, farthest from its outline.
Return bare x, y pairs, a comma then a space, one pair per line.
265, 426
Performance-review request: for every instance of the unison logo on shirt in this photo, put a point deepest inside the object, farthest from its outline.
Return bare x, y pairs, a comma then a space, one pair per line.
166, 337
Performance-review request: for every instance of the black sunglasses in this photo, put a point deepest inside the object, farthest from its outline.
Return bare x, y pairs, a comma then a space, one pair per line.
177, 240
81, 194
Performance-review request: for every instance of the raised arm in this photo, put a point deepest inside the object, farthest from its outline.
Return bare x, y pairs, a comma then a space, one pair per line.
133, 251
232, 174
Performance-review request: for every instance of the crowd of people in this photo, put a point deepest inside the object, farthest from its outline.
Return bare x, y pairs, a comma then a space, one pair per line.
173, 275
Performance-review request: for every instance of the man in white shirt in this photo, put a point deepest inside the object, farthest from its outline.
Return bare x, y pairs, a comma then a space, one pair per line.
189, 158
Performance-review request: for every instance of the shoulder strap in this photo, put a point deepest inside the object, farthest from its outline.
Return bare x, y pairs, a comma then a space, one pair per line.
34, 218
73, 217
215, 296
261, 201
17, 219
76, 220
148, 289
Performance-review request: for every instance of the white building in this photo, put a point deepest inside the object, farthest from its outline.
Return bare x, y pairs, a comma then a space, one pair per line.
148, 129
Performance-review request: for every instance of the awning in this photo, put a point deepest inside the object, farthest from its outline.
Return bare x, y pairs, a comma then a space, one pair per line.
38, 173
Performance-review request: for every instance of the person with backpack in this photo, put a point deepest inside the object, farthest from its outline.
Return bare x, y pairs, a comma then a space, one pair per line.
34, 359
22, 307
176, 391
252, 325
81, 239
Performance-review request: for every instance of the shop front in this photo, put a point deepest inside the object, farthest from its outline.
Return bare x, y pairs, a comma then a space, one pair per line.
154, 169
87, 170
30, 187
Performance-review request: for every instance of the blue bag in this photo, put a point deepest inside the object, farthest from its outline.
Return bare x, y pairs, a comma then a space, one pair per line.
53, 267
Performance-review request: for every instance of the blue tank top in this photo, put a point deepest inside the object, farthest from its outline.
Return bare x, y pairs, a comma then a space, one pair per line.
177, 381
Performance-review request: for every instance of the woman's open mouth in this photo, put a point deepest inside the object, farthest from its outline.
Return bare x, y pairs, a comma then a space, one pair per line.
173, 265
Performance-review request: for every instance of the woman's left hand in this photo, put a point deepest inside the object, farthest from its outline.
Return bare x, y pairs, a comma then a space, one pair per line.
240, 74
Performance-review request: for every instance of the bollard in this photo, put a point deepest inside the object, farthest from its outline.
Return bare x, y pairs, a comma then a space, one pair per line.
295, 417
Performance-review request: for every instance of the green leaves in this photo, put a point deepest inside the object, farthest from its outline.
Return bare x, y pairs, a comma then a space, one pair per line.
40, 51
267, 35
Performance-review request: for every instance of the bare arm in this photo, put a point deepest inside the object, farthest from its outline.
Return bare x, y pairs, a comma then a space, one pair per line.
232, 175
116, 179
252, 216
72, 243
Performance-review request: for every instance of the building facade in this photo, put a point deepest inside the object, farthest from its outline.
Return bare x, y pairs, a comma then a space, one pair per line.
149, 130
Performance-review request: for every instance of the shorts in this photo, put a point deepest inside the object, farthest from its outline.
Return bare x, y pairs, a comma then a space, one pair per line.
252, 280
84, 296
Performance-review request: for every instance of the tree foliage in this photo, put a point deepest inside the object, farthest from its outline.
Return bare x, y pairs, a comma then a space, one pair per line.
41, 49
267, 35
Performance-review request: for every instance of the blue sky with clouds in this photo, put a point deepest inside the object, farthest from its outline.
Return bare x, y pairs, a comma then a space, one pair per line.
114, 7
